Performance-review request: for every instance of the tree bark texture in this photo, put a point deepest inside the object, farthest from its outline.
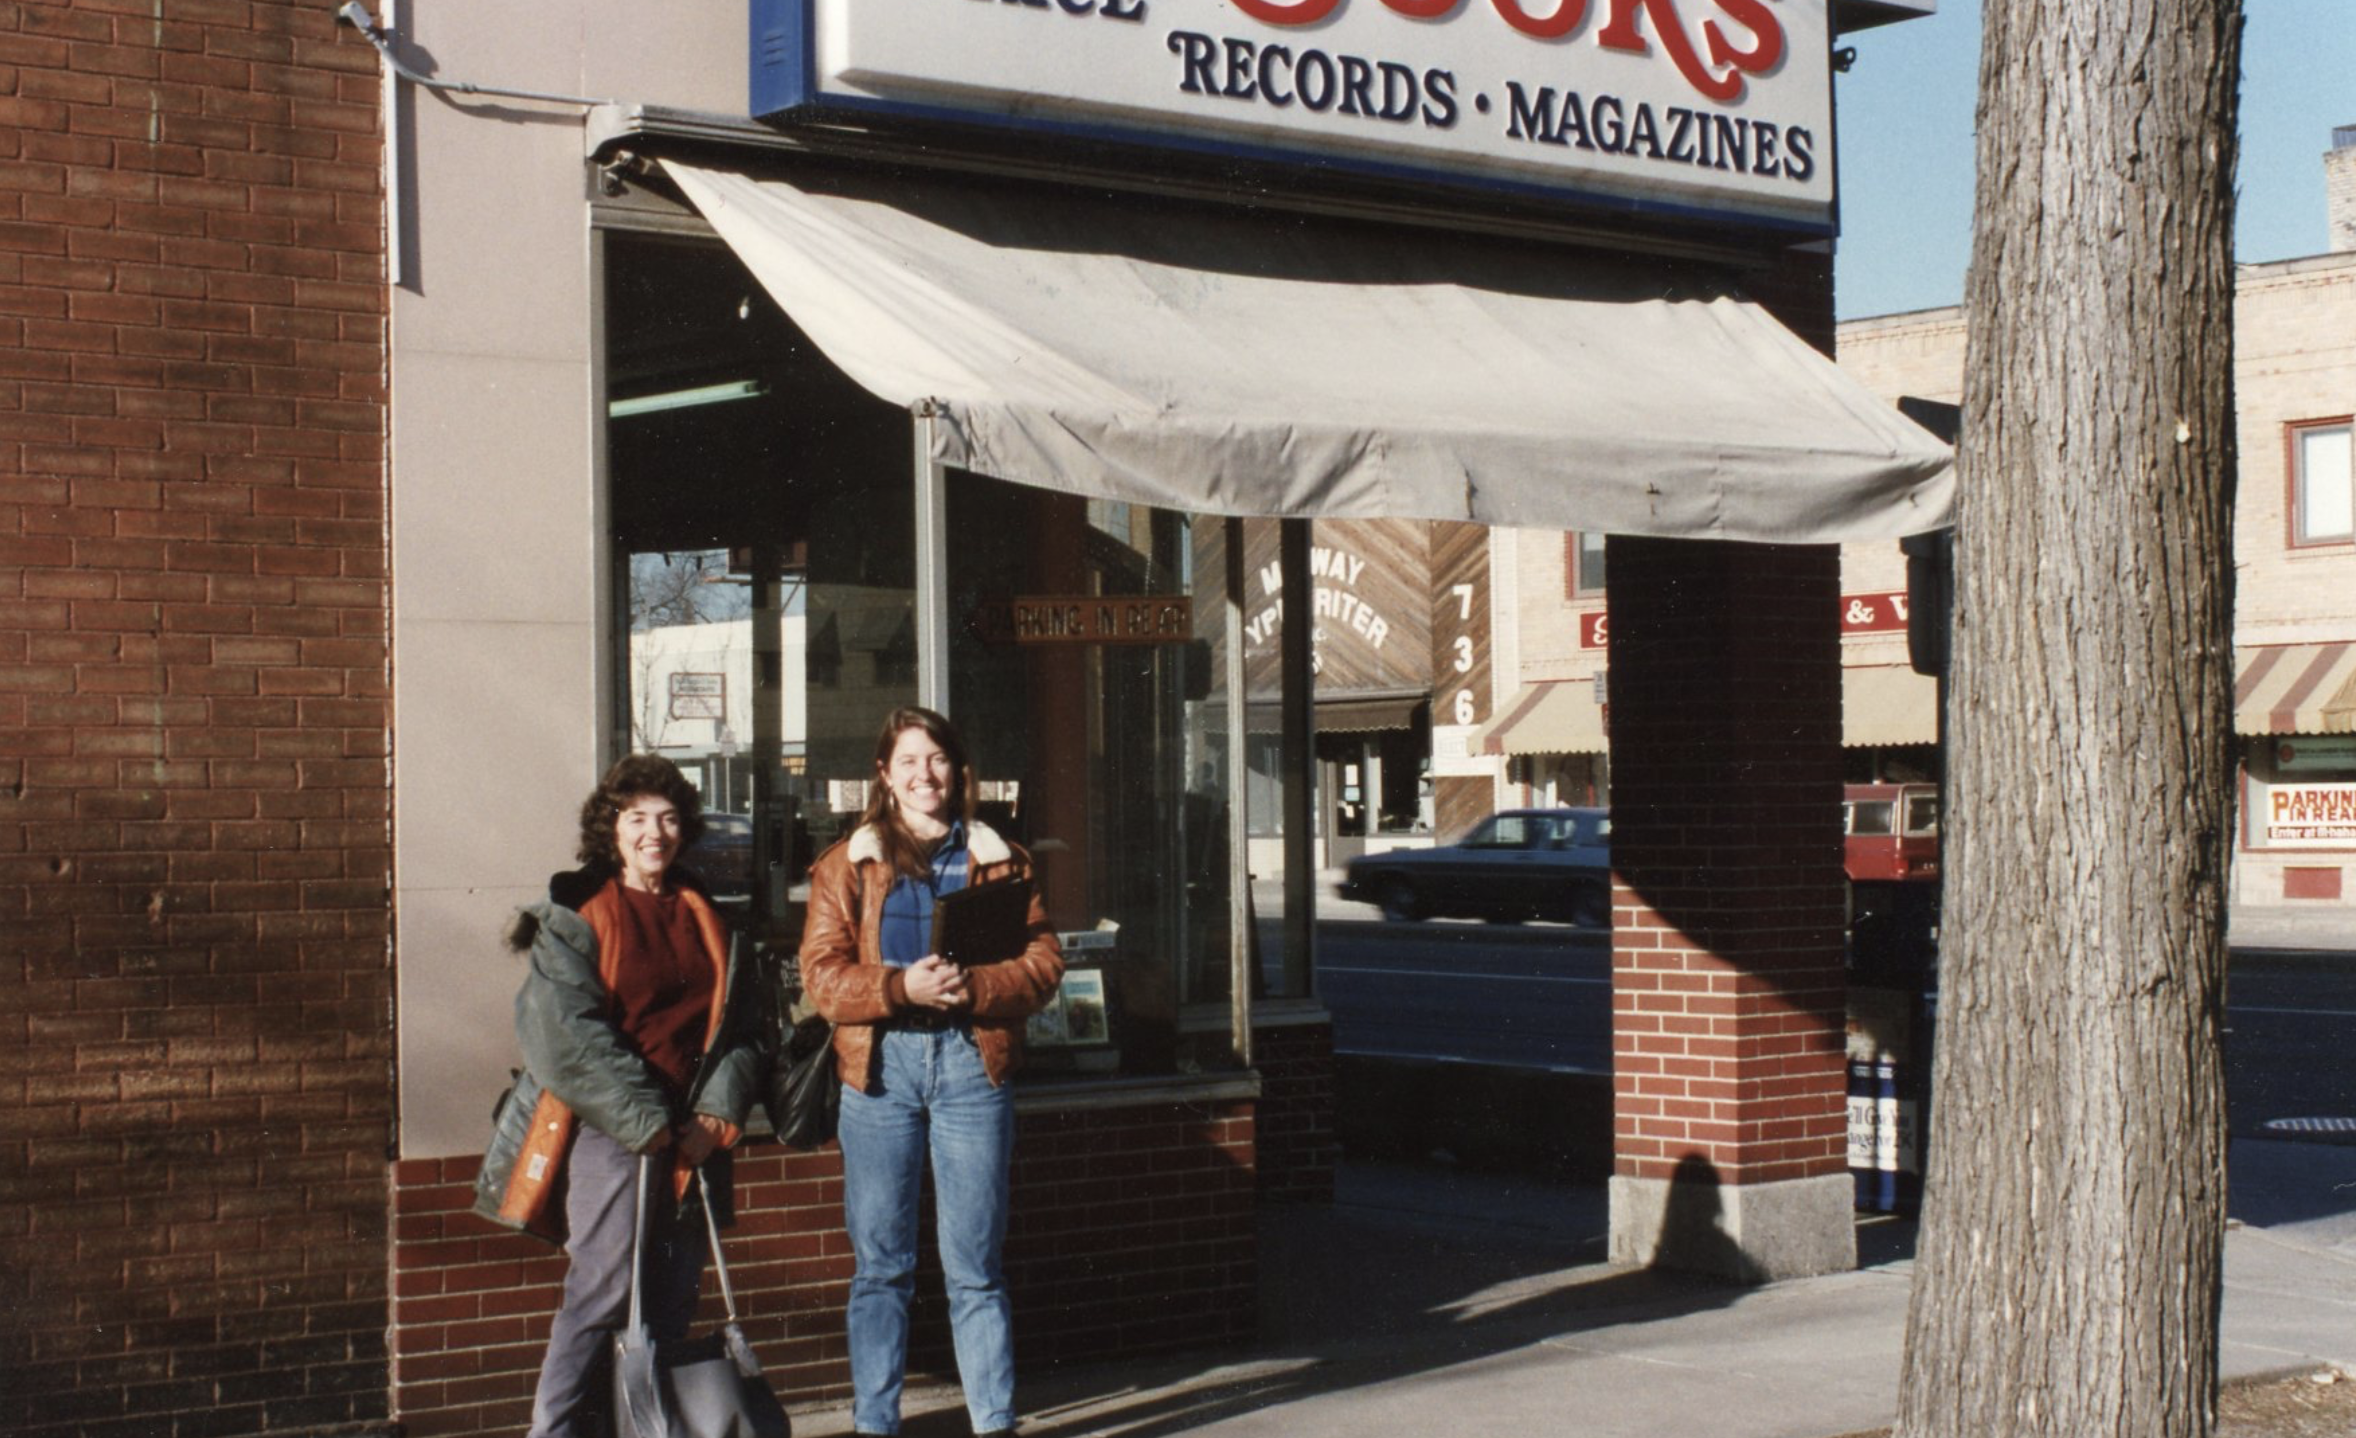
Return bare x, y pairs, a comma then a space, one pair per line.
2068, 1274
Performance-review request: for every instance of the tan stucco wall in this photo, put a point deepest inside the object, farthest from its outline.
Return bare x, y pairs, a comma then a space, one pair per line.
496, 517
2294, 361
1550, 622
1919, 354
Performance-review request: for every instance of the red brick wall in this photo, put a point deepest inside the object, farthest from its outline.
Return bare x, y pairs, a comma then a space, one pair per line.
194, 1042
1728, 985
1132, 1233
1298, 1142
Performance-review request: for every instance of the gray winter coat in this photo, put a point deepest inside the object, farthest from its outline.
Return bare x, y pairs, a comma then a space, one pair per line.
579, 1068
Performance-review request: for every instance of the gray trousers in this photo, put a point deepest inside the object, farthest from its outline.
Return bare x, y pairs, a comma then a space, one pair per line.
601, 1179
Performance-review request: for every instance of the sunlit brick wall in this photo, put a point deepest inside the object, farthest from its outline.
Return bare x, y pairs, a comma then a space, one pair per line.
194, 1095
1132, 1233
1728, 989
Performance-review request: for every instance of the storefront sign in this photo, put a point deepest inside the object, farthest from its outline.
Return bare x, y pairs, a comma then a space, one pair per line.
2303, 815
1334, 601
1092, 619
2309, 753
1873, 613
1715, 107
699, 696
1370, 625
1860, 614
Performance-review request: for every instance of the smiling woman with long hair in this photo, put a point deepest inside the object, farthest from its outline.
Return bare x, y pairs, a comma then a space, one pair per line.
924, 1048
629, 1050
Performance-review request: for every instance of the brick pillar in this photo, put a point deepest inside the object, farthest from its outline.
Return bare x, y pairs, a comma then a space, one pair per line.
194, 1041
1727, 983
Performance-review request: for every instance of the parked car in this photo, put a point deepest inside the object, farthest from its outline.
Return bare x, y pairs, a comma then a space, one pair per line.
723, 857
1514, 865
1892, 832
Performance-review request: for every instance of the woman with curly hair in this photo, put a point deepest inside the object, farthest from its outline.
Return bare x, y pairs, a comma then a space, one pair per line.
630, 1050
924, 1048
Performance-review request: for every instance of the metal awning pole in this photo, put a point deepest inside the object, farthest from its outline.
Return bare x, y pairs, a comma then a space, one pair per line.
1240, 944
932, 563
1300, 736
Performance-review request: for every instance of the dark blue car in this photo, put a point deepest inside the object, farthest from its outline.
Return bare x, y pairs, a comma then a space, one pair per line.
1515, 865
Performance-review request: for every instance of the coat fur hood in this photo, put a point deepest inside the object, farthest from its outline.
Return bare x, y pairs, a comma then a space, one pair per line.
567, 892
983, 845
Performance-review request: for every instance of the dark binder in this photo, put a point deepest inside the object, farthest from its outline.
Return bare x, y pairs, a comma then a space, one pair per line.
983, 923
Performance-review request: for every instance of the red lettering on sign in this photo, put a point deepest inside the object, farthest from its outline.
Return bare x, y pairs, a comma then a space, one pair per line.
1566, 17
1764, 28
1715, 68
1299, 12
1872, 613
1620, 33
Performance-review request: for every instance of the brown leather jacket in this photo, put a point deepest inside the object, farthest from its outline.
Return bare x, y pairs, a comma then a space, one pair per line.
844, 974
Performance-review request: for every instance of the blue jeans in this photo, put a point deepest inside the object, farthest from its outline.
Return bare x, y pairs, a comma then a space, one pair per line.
933, 1097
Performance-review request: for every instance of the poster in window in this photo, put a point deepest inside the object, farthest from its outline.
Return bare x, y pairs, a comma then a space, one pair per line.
1076, 1017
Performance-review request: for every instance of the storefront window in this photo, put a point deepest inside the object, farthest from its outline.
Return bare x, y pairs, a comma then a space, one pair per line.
766, 561
1081, 673
1583, 569
765, 556
2323, 484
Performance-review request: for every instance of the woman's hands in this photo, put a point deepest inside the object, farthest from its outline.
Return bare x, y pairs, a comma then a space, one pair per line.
935, 983
700, 1137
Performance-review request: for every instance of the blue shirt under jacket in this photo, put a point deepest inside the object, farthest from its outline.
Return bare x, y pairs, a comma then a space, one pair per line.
907, 931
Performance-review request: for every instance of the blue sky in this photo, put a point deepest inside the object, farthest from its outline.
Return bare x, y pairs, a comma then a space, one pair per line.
1905, 138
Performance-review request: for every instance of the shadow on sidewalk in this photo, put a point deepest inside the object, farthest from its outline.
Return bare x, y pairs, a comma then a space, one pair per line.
1412, 1271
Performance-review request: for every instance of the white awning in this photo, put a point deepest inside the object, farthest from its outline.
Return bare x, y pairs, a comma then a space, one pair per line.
1883, 705
1223, 363
1550, 717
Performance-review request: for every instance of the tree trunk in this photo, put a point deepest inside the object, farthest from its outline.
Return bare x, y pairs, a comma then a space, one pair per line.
2069, 1269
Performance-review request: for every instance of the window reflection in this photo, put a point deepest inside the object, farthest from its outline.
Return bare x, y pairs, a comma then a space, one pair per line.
765, 562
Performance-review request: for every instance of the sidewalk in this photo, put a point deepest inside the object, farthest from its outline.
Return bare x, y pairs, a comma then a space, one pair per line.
2291, 927
1395, 1313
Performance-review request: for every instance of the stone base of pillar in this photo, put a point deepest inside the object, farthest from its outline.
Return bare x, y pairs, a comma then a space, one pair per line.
1752, 1233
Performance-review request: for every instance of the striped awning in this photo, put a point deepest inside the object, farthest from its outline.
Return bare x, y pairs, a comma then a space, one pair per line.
2295, 689
1885, 705
1558, 717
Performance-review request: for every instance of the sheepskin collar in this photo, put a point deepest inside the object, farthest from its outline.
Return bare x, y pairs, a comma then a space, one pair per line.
982, 845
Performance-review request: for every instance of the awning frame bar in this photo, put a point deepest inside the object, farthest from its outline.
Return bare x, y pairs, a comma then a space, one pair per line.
617, 133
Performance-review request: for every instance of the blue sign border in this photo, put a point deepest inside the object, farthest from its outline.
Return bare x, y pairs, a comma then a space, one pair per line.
782, 90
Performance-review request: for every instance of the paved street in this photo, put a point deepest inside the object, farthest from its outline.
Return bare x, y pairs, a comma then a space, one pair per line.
2290, 1044
1537, 998
1534, 997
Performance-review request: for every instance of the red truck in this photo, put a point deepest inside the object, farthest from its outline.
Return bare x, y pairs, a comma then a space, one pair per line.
1892, 832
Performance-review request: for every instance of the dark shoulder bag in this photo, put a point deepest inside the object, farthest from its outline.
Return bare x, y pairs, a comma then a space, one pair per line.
804, 1097
802, 1094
